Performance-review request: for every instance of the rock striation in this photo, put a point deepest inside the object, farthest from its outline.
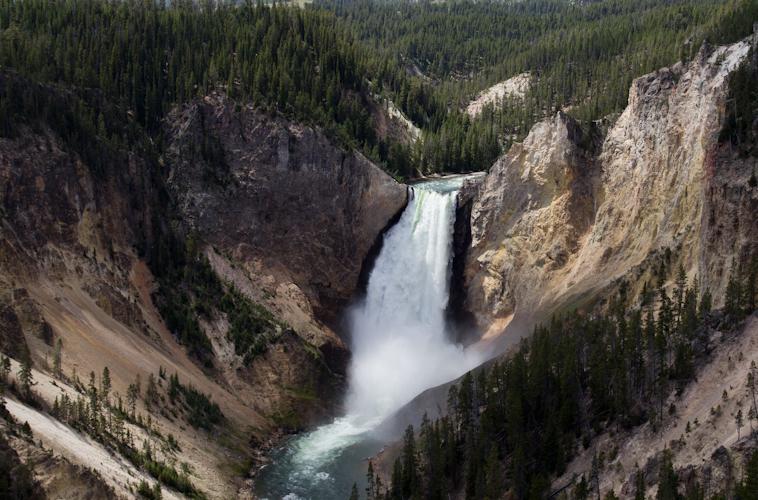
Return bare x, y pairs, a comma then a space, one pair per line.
561, 217
527, 219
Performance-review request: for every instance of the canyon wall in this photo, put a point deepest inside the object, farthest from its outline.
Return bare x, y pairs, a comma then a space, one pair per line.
286, 196
283, 216
562, 218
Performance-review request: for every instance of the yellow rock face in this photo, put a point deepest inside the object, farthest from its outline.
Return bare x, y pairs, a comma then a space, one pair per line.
553, 222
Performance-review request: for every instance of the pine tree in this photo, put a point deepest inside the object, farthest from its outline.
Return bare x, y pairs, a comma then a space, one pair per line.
354, 493
397, 472
370, 479
661, 276
106, 386
752, 385
452, 404
751, 283
668, 481
639, 486
94, 404
681, 285
581, 490
25, 377
408, 478
173, 387
151, 392
133, 394
748, 489
118, 425
5, 368
734, 299
57, 357
493, 474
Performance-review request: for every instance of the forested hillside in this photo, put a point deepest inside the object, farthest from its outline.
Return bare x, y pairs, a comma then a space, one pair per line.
517, 425
143, 58
146, 57
582, 56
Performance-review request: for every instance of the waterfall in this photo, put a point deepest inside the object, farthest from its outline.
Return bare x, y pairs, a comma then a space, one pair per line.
399, 345
398, 340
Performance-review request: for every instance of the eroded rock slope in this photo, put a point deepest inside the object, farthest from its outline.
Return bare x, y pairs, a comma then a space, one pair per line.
283, 216
290, 198
561, 218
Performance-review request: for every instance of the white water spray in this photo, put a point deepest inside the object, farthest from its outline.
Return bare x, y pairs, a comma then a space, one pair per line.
399, 343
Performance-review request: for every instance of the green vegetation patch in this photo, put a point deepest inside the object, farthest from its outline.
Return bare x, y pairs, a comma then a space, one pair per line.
200, 411
187, 286
251, 326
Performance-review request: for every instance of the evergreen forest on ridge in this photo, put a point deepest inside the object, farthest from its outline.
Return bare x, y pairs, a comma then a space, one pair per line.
124, 65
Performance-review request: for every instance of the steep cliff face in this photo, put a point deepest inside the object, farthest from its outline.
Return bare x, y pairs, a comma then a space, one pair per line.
62, 222
729, 223
303, 207
527, 218
553, 225
654, 165
289, 219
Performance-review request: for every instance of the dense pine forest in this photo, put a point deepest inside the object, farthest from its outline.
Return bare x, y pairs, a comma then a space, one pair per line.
517, 424
124, 65
581, 57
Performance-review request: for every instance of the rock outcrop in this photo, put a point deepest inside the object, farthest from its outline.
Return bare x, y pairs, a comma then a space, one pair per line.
729, 221
527, 219
553, 224
291, 199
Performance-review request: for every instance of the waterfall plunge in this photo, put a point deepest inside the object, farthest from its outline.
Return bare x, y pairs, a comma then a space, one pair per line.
400, 348
399, 342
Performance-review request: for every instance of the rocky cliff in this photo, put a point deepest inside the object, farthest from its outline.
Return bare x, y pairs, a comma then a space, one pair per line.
527, 218
289, 198
561, 218
283, 216
575, 214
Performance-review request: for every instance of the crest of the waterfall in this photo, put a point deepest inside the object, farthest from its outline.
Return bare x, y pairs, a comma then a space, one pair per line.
399, 343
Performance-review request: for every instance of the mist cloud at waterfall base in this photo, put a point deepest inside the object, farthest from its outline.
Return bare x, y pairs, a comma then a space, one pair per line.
387, 376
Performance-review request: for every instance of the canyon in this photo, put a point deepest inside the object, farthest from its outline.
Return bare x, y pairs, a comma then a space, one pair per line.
294, 223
